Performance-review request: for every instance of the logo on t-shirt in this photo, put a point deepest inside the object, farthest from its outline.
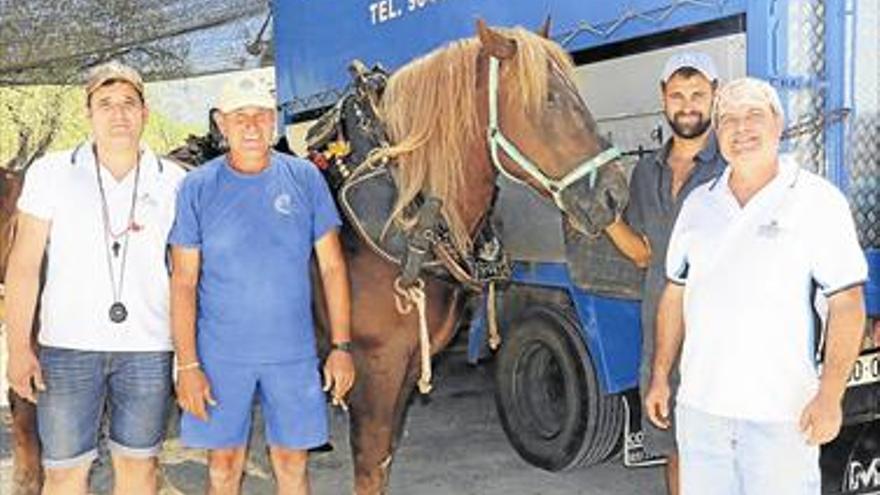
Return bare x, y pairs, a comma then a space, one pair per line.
283, 204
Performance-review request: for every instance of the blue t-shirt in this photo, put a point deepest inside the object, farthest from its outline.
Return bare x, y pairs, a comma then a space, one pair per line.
255, 235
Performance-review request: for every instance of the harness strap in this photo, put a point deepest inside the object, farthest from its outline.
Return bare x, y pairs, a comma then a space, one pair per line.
492, 319
405, 299
498, 143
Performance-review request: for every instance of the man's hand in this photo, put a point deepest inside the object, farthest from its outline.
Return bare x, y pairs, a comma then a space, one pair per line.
193, 392
338, 376
657, 404
24, 373
821, 419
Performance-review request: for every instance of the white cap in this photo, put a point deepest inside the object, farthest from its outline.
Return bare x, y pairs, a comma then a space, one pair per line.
245, 89
696, 60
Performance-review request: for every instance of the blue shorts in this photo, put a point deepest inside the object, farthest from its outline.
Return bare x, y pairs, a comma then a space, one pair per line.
135, 387
726, 456
293, 405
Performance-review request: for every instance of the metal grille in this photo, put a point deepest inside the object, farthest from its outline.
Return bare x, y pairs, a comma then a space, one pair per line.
805, 96
863, 131
805, 101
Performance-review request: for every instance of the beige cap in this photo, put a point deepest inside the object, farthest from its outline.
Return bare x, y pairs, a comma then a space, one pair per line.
746, 90
113, 71
245, 90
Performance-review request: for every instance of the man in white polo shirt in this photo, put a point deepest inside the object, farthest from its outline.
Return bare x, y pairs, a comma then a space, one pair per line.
747, 255
102, 213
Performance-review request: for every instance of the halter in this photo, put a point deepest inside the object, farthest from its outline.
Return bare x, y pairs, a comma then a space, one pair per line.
497, 140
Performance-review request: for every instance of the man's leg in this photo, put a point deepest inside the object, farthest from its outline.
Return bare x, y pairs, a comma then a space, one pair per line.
67, 481
225, 467
656, 443
68, 415
135, 476
707, 448
774, 459
139, 393
295, 412
291, 470
225, 434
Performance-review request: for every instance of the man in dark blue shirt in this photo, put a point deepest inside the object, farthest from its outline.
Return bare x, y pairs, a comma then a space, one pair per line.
659, 184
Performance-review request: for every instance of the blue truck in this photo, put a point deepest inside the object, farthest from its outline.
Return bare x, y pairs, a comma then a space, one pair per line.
571, 353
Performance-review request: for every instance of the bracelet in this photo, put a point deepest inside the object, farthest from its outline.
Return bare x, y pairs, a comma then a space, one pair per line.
341, 346
189, 366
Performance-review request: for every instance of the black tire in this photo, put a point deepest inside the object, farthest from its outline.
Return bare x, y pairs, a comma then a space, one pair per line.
548, 395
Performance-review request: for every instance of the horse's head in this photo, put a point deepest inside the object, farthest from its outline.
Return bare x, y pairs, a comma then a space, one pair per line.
539, 130
514, 89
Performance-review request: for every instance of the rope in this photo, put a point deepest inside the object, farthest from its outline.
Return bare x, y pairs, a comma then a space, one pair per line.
405, 299
492, 317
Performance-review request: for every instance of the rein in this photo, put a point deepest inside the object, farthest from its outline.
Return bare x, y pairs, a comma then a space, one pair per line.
498, 143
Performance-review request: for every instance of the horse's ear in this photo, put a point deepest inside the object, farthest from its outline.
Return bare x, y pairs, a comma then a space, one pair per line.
495, 43
544, 28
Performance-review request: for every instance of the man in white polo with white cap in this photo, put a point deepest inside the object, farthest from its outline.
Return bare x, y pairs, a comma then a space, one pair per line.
659, 184
747, 256
241, 307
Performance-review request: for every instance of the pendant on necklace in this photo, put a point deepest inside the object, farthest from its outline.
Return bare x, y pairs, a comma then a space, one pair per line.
116, 247
118, 312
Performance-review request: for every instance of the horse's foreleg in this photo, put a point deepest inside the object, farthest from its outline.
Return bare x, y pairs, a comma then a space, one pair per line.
27, 473
384, 382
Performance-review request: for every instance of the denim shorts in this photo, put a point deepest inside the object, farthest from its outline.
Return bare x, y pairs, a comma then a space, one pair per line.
133, 387
726, 456
293, 405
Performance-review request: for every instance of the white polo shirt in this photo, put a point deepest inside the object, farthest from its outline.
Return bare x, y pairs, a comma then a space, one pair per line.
750, 274
62, 188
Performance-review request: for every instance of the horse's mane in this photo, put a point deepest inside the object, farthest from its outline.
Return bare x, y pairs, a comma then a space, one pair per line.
430, 109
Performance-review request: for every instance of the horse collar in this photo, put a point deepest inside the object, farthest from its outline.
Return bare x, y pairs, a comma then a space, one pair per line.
498, 142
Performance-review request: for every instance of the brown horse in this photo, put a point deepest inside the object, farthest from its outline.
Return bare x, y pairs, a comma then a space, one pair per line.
27, 473
439, 113
10, 188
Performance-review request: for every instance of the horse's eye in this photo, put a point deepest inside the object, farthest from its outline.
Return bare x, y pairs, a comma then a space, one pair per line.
554, 99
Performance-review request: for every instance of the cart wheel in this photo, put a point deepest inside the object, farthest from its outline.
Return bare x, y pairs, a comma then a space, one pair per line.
548, 395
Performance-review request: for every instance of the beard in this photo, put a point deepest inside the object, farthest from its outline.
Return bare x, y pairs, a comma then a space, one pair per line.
688, 131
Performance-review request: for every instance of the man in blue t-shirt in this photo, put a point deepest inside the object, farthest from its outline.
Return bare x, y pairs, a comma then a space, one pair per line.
241, 244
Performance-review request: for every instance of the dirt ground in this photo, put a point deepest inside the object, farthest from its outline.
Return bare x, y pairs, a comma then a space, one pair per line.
453, 444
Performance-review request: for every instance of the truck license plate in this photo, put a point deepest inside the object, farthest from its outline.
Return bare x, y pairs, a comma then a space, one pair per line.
866, 370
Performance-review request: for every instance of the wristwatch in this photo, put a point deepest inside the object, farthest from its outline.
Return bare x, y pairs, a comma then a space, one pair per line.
341, 346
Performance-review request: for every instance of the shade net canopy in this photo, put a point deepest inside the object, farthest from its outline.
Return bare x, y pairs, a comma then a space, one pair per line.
55, 41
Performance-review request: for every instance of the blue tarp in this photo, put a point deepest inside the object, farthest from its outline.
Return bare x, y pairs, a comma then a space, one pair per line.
315, 40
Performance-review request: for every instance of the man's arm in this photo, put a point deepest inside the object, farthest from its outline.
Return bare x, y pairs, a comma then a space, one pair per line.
22, 289
631, 244
193, 389
668, 340
822, 417
339, 369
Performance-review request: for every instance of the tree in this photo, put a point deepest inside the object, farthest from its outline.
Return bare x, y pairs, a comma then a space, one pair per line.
36, 48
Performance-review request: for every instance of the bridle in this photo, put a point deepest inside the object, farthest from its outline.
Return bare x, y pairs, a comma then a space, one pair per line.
498, 143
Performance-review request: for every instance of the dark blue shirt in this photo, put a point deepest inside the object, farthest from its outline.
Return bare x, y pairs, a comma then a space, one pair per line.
652, 210
255, 235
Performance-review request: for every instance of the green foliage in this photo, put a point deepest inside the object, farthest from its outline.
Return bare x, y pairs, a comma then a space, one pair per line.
36, 110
